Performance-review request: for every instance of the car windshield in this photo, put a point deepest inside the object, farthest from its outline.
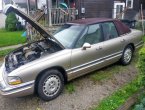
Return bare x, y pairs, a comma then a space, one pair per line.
67, 34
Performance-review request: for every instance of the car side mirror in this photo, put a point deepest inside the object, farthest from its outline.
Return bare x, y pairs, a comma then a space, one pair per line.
86, 45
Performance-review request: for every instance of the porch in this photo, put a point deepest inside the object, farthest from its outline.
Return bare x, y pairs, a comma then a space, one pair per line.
53, 12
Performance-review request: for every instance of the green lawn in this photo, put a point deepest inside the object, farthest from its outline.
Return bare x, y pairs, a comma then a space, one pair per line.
11, 38
5, 52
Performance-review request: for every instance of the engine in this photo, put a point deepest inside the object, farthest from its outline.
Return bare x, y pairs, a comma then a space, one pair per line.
28, 53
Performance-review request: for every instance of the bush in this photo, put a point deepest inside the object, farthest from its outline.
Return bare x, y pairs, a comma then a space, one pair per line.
141, 66
139, 107
11, 21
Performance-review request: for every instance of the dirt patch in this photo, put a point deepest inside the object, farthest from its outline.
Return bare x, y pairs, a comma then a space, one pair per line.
87, 93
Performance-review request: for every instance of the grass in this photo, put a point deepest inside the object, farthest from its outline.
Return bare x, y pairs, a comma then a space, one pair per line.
103, 74
107, 72
11, 38
5, 52
70, 88
144, 38
118, 97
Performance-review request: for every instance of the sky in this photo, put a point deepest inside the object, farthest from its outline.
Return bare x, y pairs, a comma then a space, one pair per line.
0, 4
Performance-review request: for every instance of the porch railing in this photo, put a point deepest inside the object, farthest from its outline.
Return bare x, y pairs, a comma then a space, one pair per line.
60, 16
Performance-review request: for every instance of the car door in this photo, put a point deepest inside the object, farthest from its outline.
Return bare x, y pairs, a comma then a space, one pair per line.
113, 44
86, 60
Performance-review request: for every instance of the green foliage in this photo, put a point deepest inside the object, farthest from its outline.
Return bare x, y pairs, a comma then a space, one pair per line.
143, 101
119, 97
139, 107
139, 25
141, 66
11, 21
144, 38
107, 72
5, 52
70, 88
11, 38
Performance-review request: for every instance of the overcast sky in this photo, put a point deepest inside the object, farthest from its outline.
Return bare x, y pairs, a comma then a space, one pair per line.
0, 4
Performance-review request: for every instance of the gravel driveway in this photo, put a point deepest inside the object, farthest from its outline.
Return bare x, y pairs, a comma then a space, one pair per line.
87, 94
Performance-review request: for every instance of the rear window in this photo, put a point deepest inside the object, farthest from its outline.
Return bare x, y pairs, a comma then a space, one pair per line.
122, 28
109, 30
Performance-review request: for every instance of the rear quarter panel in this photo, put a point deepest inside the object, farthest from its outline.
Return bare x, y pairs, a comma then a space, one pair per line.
134, 37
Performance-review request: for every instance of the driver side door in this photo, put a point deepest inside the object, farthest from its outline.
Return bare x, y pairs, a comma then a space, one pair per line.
88, 59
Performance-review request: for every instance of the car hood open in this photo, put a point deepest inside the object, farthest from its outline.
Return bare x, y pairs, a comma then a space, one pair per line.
10, 8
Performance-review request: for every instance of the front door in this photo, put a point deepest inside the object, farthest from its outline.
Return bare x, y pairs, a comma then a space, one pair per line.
118, 10
86, 60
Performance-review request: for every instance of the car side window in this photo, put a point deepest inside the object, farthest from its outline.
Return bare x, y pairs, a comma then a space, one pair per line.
93, 36
109, 30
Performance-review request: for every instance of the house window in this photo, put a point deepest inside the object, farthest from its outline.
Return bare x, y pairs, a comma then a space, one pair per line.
129, 3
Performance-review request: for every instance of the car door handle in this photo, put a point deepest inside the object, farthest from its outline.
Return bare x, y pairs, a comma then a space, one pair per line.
123, 40
99, 48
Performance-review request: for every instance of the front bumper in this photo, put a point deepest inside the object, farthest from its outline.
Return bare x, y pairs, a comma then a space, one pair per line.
14, 90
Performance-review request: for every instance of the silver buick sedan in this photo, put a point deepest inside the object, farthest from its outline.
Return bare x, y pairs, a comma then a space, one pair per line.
77, 48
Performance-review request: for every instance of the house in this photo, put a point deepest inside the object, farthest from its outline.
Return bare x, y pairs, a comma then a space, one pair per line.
109, 8
101, 8
58, 12
2, 16
1, 5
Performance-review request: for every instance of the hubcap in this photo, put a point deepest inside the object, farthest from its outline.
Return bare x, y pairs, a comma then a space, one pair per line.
127, 55
51, 85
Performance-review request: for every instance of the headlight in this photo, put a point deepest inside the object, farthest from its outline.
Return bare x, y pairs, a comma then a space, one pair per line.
14, 80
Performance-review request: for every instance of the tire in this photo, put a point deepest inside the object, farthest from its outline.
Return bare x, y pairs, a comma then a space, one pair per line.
50, 85
127, 55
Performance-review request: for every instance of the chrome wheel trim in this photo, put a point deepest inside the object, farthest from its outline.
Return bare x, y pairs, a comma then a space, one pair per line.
51, 85
127, 55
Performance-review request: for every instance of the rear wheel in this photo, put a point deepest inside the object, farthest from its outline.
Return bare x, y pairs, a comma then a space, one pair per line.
50, 85
127, 55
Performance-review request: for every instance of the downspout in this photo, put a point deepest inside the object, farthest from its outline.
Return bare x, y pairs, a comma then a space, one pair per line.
36, 6
142, 20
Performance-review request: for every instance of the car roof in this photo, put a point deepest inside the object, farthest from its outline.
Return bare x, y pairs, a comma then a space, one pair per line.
90, 21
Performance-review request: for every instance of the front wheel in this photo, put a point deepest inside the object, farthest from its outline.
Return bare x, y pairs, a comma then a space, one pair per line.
50, 85
127, 55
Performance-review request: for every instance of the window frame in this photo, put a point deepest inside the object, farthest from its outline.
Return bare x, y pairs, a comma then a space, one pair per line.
85, 32
132, 1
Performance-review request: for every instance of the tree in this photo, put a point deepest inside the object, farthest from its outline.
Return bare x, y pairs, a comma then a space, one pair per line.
10, 22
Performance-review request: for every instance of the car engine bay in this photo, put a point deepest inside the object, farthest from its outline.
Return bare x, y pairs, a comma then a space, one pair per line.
30, 52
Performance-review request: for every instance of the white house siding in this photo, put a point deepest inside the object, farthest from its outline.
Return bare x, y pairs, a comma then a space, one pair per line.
41, 3
0, 5
2, 20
